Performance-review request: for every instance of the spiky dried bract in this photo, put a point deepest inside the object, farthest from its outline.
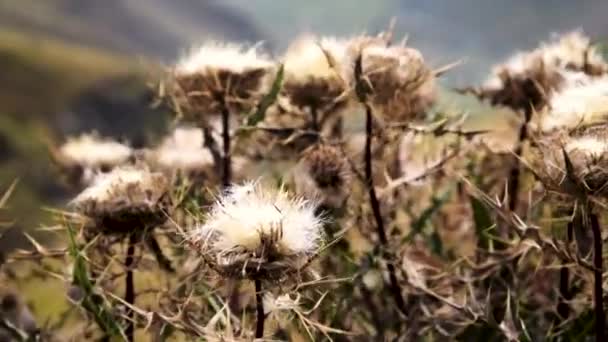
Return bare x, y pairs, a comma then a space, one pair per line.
529, 78
124, 199
574, 165
583, 101
218, 75
524, 80
90, 153
313, 79
400, 86
323, 173
183, 151
259, 233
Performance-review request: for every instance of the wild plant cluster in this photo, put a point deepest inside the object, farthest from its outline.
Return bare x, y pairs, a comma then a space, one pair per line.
322, 196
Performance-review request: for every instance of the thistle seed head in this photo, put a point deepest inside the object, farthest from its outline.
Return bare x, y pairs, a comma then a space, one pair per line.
218, 75
124, 199
313, 77
530, 78
397, 81
256, 232
182, 151
583, 101
87, 154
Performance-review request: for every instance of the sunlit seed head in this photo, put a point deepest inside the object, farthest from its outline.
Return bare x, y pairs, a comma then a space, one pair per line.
308, 58
182, 151
314, 78
91, 151
590, 146
401, 86
583, 101
524, 80
252, 225
215, 56
323, 173
574, 51
532, 77
218, 75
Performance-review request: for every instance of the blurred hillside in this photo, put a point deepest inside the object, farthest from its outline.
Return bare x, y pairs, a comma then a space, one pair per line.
71, 66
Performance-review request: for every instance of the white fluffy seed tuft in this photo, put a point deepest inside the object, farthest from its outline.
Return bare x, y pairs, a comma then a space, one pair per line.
183, 150
89, 150
248, 212
583, 100
232, 57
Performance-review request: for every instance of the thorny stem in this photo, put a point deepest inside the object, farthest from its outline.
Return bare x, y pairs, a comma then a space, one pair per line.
161, 258
514, 174
226, 161
600, 316
130, 286
314, 119
394, 284
563, 309
259, 306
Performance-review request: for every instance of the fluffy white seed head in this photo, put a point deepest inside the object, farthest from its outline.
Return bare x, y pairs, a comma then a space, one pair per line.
583, 100
249, 210
571, 51
220, 76
252, 225
182, 150
314, 77
529, 79
91, 151
574, 51
401, 86
591, 146
124, 194
306, 59
232, 57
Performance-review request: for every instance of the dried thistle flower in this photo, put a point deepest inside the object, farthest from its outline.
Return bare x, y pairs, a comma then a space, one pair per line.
323, 173
183, 151
217, 76
524, 80
398, 83
573, 51
529, 78
259, 233
583, 101
124, 199
313, 79
81, 157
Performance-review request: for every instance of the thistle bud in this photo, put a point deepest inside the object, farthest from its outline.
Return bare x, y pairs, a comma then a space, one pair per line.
323, 173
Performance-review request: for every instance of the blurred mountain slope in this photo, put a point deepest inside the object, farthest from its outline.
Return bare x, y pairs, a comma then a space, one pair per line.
154, 28
40, 77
